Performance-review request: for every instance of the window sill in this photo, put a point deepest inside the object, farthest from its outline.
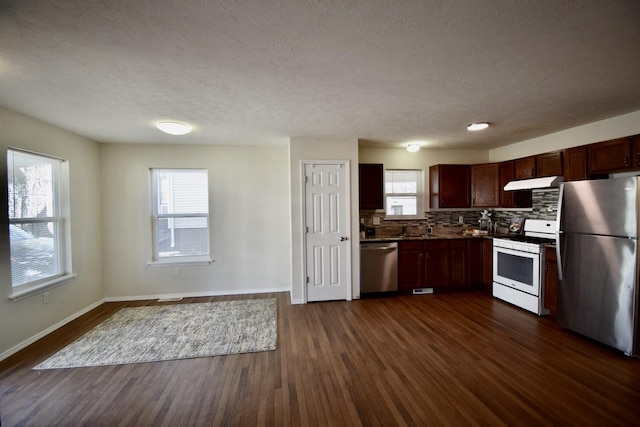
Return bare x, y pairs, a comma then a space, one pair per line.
182, 262
25, 291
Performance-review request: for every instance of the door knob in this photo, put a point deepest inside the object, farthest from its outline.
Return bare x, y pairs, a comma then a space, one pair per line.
343, 238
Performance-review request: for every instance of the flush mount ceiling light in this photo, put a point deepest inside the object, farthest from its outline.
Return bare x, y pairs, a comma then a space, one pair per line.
477, 126
174, 128
412, 148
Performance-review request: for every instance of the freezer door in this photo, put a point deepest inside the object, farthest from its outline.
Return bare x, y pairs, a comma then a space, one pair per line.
598, 292
607, 207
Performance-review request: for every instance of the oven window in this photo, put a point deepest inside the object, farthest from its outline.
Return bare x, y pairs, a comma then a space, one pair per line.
517, 268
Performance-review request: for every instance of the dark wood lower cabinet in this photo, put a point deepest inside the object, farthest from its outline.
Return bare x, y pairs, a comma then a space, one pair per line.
441, 264
551, 281
487, 265
410, 265
437, 264
475, 262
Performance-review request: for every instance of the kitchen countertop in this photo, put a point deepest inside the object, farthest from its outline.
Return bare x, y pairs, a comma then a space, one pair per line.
443, 236
448, 236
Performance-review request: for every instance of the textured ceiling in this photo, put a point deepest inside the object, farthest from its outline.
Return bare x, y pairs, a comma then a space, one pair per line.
259, 72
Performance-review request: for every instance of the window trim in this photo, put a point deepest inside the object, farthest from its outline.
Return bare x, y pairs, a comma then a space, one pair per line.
178, 260
420, 211
62, 205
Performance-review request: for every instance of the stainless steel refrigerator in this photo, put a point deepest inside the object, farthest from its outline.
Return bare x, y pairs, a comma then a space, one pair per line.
598, 260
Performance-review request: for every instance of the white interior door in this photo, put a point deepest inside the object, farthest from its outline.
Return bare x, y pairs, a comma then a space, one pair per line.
327, 231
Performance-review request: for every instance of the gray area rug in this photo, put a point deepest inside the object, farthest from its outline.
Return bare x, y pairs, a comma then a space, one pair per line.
167, 332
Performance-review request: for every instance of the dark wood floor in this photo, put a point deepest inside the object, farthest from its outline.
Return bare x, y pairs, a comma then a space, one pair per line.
441, 360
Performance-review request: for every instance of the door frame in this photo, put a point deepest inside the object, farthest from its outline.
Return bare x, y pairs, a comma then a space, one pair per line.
303, 223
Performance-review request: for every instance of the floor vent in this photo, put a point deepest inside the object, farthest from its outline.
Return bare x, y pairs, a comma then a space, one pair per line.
422, 291
170, 299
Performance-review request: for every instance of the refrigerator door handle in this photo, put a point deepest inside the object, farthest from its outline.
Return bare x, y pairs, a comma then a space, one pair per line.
558, 255
559, 231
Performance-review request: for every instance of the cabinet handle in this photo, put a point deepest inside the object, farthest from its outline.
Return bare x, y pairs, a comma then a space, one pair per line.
637, 159
533, 172
626, 160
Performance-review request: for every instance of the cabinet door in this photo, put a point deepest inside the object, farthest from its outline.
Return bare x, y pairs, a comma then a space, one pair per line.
458, 263
475, 262
551, 281
609, 156
549, 164
371, 186
485, 181
437, 264
635, 150
524, 168
487, 264
410, 266
575, 164
512, 199
506, 175
450, 186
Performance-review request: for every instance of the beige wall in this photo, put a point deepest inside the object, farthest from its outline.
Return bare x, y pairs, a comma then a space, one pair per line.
320, 149
249, 220
26, 319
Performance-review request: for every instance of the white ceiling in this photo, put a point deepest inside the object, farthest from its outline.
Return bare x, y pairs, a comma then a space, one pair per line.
259, 72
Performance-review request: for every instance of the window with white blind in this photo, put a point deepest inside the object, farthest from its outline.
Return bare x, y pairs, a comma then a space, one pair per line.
403, 193
180, 215
38, 221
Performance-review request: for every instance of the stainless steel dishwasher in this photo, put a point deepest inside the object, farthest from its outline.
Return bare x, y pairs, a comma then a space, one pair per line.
378, 267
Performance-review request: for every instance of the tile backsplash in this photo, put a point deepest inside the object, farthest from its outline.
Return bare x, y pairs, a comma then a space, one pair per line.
544, 206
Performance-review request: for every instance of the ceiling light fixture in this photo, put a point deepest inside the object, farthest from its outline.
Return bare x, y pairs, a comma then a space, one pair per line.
174, 128
412, 148
477, 126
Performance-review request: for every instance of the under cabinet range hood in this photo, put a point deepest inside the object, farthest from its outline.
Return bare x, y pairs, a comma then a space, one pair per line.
533, 183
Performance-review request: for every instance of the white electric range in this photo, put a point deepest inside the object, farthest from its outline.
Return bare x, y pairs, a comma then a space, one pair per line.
518, 265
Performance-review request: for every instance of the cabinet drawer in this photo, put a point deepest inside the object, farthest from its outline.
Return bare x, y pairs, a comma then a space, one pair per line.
458, 244
436, 244
412, 245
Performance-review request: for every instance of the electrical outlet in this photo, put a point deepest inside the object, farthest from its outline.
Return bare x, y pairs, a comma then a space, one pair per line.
45, 298
177, 271
460, 219
376, 220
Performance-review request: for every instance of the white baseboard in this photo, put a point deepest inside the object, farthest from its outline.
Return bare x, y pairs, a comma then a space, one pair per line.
13, 350
196, 294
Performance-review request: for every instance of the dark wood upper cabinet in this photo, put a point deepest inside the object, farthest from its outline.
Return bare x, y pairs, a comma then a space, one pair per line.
371, 186
506, 175
524, 168
549, 164
635, 150
485, 185
512, 199
450, 186
608, 156
575, 164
